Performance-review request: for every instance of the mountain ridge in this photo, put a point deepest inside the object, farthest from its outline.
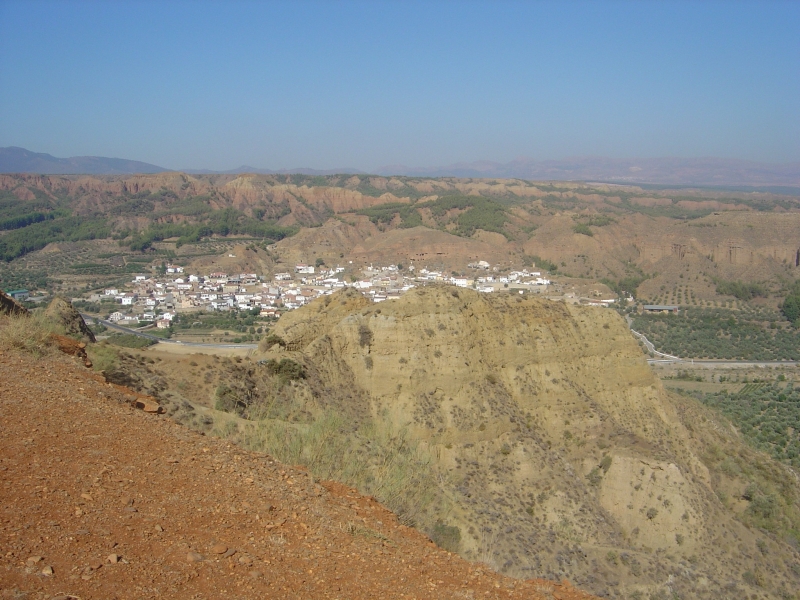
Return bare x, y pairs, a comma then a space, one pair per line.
702, 171
18, 160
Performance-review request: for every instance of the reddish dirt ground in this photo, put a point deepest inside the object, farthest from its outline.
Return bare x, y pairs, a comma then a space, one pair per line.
101, 500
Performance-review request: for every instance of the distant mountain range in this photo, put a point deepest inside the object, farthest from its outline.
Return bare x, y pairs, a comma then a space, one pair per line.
656, 171
299, 171
20, 160
659, 171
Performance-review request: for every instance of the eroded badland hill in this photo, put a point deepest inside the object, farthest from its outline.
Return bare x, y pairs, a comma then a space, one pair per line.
525, 434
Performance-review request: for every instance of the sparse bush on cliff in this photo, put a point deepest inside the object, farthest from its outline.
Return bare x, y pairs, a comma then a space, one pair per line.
269, 341
446, 536
286, 369
364, 335
583, 229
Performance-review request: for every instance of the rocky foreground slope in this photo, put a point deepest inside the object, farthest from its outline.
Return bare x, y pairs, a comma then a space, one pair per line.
99, 500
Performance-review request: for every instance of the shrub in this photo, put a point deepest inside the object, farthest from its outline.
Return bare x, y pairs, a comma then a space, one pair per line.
583, 229
753, 578
764, 506
739, 290
652, 513
750, 492
270, 341
791, 307
762, 547
286, 369
446, 536
364, 335
594, 477
228, 400
605, 464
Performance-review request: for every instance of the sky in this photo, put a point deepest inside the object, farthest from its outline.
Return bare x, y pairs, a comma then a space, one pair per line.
363, 85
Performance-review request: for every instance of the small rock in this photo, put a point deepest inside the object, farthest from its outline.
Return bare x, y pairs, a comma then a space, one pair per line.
87, 497
245, 560
113, 558
159, 528
35, 559
194, 557
130, 509
127, 501
47, 571
229, 553
219, 549
255, 574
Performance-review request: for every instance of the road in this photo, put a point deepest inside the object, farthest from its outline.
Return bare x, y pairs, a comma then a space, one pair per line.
161, 340
707, 364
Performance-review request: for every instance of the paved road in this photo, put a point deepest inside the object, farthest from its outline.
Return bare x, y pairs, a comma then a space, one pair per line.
161, 340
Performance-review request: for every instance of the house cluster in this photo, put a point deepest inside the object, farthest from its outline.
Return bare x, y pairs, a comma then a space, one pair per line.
159, 299
488, 283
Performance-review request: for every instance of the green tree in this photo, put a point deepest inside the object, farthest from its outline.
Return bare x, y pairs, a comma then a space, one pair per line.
791, 307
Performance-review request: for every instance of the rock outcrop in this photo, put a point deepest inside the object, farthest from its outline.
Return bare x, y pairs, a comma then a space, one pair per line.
62, 312
9, 306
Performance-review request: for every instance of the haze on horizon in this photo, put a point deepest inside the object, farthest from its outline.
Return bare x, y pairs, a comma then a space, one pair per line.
362, 85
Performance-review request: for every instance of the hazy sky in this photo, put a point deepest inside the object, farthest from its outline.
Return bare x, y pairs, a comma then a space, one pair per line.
366, 84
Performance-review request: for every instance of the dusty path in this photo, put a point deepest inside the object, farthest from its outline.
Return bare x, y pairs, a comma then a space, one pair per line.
99, 500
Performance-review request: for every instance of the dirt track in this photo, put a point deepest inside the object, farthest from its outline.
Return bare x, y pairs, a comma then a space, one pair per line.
100, 500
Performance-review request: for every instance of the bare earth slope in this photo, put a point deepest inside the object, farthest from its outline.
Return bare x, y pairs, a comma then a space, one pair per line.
98, 500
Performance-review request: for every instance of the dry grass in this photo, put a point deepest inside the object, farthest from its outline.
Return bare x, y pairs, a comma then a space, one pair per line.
378, 461
29, 334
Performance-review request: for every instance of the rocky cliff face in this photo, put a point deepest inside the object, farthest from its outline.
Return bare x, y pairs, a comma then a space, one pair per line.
555, 446
9, 306
62, 312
